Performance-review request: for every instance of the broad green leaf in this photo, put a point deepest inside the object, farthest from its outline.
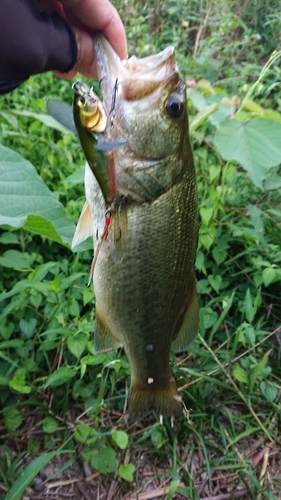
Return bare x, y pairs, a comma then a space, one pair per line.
28, 326
18, 382
268, 274
82, 432
39, 225
121, 438
26, 201
215, 281
33, 446
60, 376
256, 145
104, 460
50, 425
240, 374
206, 214
127, 472
77, 344
269, 391
43, 118
15, 260
12, 418
209, 316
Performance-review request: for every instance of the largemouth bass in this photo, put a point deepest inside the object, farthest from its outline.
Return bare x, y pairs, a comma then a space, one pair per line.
145, 232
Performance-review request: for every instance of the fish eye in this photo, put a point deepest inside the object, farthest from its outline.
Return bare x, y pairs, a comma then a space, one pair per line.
81, 101
175, 106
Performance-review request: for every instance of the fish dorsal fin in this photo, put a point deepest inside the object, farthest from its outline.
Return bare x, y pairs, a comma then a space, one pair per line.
189, 325
84, 227
104, 340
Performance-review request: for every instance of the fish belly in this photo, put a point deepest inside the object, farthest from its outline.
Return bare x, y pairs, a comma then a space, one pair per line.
144, 290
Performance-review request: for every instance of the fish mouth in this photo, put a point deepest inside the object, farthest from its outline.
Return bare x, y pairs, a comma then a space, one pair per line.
134, 78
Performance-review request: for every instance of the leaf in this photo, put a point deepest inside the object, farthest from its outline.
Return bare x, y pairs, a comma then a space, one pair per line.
12, 418
268, 274
255, 145
127, 472
202, 116
240, 374
60, 376
83, 433
46, 119
15, 260
209, 316
77, 344
29, 473
104, 460
26, 201
28, 326
50, 425
18, 382
269, 391
121, 438
258, 370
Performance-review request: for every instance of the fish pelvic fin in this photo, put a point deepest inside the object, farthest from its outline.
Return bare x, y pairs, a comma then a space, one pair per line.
104, 340
84, 227
163, 401
189, 321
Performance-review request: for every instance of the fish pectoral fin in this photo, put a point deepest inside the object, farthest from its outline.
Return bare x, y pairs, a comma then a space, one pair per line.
84, 227
103, 337
189, 321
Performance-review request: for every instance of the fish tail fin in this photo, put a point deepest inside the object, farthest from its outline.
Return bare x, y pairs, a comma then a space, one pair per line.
163, 401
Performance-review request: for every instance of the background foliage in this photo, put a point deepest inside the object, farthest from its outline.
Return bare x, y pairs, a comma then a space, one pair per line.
56, 394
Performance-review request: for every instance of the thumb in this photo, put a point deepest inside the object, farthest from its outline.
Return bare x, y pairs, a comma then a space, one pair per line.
86, 60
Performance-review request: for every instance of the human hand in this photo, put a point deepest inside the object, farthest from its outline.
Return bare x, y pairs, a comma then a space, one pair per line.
85, 18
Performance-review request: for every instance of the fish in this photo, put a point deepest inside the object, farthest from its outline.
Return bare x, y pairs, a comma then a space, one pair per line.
143, 215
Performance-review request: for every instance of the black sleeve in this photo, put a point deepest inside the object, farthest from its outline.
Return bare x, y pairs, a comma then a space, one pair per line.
32, 42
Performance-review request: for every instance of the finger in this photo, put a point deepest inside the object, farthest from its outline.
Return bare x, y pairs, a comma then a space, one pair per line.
98, 15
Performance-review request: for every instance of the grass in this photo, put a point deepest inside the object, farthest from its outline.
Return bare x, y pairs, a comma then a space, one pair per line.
63, 419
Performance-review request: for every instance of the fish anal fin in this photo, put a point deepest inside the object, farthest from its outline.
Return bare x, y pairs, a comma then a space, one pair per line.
189, 321
84, 227
103, 337
163, 401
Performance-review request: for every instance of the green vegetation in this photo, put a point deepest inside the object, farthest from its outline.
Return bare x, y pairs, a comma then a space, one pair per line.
61, 405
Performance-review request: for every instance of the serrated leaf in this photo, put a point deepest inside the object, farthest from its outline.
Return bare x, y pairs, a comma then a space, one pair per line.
240, 374
255, 145
24, 197
121, 438
60, 376
127, 472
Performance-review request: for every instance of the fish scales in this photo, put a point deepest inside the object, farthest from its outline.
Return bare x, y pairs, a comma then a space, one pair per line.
144, 276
